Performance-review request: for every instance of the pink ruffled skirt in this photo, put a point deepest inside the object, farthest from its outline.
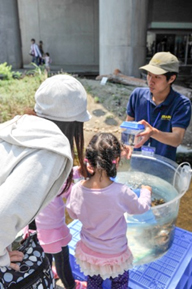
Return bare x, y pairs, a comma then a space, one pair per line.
93, 263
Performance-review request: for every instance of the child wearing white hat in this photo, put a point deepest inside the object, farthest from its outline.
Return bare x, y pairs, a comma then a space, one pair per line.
36, 152
62, 99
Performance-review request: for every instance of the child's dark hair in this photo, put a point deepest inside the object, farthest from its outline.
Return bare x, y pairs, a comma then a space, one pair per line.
47, 53
102, 152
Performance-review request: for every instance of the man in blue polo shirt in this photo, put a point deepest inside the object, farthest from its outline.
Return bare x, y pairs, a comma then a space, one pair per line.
164, 112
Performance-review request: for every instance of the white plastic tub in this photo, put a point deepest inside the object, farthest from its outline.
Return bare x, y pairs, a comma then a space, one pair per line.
150, 235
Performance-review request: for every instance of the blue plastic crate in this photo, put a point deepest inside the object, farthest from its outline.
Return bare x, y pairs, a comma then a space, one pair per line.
172, 271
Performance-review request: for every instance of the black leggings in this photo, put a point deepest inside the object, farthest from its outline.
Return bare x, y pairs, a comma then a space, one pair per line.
63, 267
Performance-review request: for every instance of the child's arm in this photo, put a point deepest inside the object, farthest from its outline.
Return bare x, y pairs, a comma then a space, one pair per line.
137, 205
76, 176
147, 188
73, 203
70, 212
76, 172
144, 199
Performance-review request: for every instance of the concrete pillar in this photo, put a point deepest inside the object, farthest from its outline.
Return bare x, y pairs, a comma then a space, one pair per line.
10, 44
122, 30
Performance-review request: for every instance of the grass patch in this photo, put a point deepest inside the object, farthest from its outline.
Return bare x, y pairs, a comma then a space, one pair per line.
18, 94
96, 99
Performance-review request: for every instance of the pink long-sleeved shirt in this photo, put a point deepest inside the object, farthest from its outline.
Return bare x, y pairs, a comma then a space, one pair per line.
101, 212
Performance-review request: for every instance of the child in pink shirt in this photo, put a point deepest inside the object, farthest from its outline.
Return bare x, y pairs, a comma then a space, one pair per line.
100, 204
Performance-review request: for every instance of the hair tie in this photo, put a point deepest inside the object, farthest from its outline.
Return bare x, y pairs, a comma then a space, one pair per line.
114, 162
85, 160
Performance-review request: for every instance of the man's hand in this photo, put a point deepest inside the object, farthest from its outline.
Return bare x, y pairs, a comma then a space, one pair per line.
127, 151
173, 138
15, 256
145, 135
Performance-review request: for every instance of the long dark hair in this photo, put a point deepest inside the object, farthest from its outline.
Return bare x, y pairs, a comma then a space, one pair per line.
74, 132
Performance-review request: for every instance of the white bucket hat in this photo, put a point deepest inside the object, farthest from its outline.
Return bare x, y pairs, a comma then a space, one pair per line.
63, 98
161, 63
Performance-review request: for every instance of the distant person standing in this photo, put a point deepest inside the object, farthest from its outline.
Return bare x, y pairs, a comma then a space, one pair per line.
41, 59
47, 61
35, 52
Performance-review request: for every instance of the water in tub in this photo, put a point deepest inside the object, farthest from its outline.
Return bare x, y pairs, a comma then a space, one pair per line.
151, 234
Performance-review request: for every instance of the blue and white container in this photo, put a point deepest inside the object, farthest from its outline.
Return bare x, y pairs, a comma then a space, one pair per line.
130, 131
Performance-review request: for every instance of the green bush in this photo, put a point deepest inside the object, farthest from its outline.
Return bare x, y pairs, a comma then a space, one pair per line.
17, 74
6, 71
17, 95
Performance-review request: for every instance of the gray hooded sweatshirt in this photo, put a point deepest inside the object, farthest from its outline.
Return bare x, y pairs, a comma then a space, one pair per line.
35, 161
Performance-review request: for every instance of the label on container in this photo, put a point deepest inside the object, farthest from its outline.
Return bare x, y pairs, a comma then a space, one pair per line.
147, 150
